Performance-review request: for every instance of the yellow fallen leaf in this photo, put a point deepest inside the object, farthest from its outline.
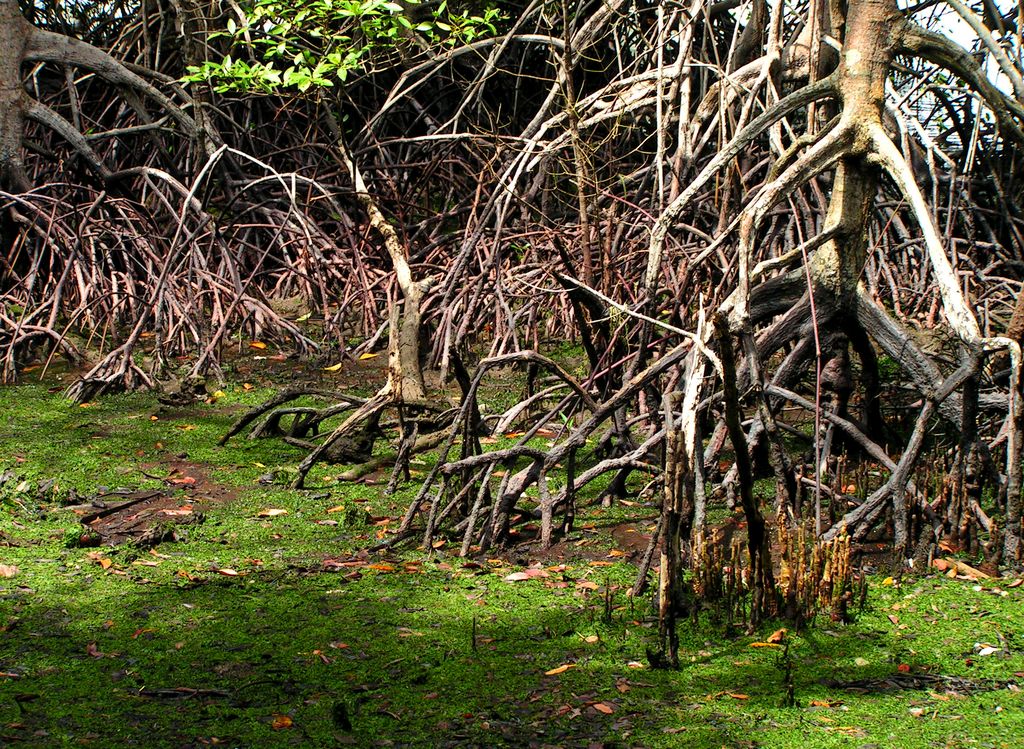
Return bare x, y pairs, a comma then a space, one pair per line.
333, 367
281, 722
888, 581
363, 357
271, 513
260, 345
101, 560
246, 386
764, 645
219, 394
560, 669
304, 317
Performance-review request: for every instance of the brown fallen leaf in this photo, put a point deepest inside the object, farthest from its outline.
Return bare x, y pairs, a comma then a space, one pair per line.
180, 512
527, 574
183, 481
101, 560
560, 669
777, 636
281, 722
8, 570
893, 618
271, 512
603, 708
258, 345
382, 567
738, 696
93, 651
228, 572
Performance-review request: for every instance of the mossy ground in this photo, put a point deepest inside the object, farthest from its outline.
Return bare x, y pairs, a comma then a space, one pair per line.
121, 646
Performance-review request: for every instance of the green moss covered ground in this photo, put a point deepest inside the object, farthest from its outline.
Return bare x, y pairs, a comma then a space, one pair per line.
267, 629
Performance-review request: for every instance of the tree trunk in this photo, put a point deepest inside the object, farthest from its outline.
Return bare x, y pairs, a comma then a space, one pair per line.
13, 99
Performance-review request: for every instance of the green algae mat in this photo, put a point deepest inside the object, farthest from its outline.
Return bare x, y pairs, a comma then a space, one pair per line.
159, 591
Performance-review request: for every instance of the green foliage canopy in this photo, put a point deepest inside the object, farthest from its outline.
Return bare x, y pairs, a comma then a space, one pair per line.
285, 45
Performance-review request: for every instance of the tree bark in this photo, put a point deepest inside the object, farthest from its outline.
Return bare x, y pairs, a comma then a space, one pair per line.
13, 99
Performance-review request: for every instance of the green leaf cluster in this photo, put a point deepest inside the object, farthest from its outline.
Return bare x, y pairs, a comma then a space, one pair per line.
278, 45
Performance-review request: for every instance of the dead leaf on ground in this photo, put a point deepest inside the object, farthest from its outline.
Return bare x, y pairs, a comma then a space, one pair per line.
778, 635
560, 669
603, 708
181, 511
271, 512
258, 345
93, 651
101, 560
281, 722
8, 570
527, 574
228, 572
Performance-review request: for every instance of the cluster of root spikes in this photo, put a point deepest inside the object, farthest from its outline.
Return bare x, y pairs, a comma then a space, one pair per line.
813, 578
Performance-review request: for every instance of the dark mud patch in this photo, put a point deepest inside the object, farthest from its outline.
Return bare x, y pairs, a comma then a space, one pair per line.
151, 516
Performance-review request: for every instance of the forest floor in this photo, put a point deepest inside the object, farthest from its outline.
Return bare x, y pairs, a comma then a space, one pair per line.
203, 603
